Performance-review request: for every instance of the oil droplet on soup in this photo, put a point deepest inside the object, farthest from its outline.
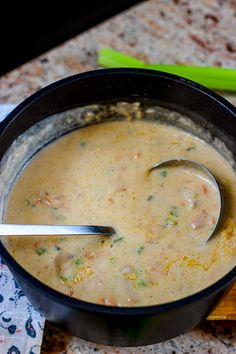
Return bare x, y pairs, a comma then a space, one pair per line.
98, 175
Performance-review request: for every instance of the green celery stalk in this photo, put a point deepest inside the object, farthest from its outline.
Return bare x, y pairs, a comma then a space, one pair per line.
213, 77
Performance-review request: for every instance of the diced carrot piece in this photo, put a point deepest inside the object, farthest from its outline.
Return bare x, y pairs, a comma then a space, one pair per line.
101, 301
137, 155
109, 302
90, 255
199, 220
204, 189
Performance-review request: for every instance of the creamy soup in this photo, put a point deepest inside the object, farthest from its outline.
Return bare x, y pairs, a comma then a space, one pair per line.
99, 175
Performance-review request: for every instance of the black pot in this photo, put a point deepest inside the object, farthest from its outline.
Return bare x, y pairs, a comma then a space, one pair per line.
98, 323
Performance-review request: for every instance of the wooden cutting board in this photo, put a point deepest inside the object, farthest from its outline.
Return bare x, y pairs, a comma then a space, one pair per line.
226, 310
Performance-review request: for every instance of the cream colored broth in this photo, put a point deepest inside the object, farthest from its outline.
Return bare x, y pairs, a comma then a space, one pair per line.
98, 175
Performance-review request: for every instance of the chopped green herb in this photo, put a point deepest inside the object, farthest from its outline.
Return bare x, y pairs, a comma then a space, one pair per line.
62, 239
170, 222
41, 250
78, 261
150, 197
29, 204
174, 211
191, 147
118, 239
82, 144
138, 278
64, 278
163, 173
142, 283
60, 217
102, 241
138, 273
55, 208
58, 248
140, 250
113, 260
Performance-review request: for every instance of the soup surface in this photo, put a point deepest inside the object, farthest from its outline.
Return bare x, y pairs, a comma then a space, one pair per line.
99, 175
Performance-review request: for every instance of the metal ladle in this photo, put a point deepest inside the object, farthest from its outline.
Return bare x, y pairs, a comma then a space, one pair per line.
45, 230
208, 173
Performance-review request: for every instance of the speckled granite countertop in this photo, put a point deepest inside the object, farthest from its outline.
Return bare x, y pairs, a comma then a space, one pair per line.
158, 31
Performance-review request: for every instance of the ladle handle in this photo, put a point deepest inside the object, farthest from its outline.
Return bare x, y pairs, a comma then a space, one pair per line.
41, 230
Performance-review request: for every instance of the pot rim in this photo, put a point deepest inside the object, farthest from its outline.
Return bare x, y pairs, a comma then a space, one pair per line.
93, 307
